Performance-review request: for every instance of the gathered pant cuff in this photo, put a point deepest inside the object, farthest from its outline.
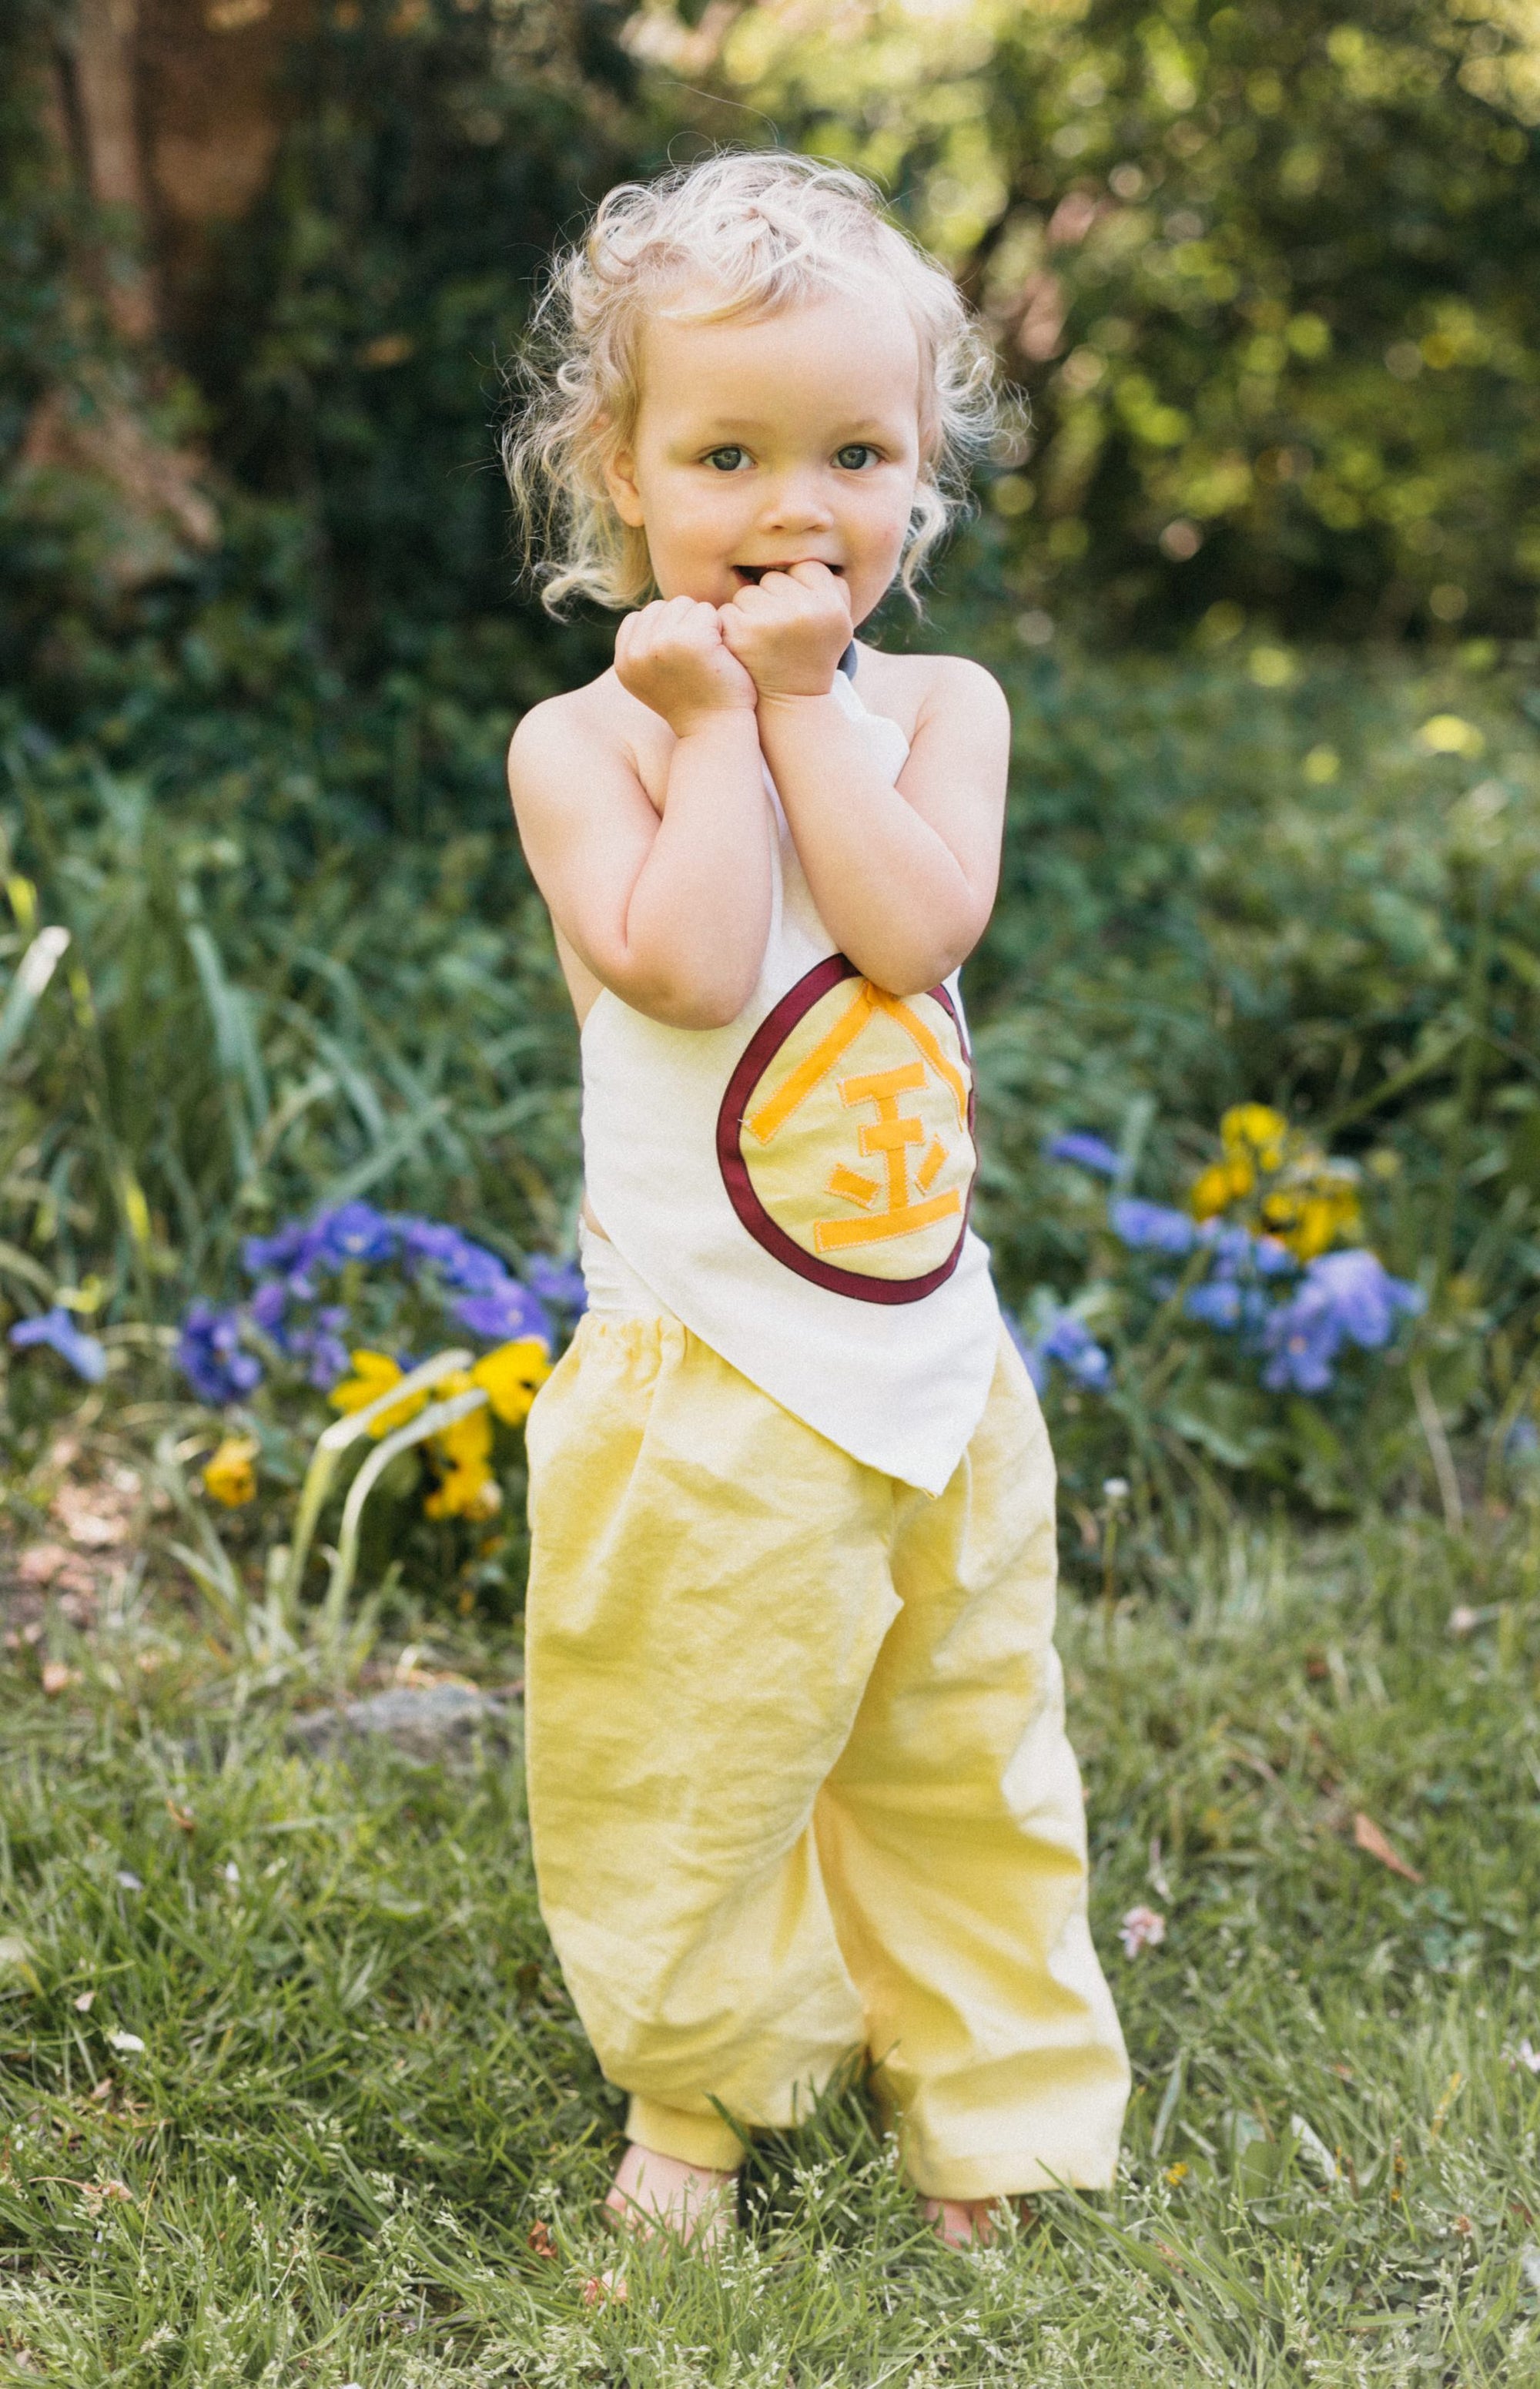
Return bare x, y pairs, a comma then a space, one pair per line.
1004, 2176
694, 2139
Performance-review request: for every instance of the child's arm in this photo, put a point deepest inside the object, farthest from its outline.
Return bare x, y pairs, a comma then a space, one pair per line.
667, 903
904, 876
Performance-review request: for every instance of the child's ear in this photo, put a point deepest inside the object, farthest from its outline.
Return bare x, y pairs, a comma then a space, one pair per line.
620, 482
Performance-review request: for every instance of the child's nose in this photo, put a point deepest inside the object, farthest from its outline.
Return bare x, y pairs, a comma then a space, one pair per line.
797, 502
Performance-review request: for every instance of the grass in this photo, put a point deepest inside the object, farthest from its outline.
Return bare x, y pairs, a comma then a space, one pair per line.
361, 2084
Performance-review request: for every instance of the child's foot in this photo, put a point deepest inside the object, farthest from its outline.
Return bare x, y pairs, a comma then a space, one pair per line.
663, 2196
962, 2222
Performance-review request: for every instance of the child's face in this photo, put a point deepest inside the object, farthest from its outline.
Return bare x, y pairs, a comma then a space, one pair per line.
776, 440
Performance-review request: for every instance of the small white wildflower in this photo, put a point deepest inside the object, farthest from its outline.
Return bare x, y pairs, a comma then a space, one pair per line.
1143, 1928
128, 1880
127, 2044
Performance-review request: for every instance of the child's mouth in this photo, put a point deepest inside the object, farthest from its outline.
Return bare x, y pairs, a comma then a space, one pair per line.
750, 575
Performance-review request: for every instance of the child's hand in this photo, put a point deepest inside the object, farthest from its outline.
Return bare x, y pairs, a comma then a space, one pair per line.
790, 630
673, 657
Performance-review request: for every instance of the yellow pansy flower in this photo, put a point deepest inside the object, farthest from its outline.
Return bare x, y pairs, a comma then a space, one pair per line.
467, 1442
463, 1452
464, 1493
1254, 1130
467, 1488
1215, 1188
230, 1476
512, 1376
375, 1373
1313, 1218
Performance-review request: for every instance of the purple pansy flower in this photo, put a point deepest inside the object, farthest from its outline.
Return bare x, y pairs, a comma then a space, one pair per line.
1086, 1151
1151, 1227
558, 1283
1347, 1298
505, 1315
355, 1231
268, 1305
1071, 1345
1219, 1304
209, 1355
284, 1251
57, 1330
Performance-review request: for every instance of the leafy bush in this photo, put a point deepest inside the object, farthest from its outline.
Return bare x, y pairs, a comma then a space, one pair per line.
1263, 273
1314, 889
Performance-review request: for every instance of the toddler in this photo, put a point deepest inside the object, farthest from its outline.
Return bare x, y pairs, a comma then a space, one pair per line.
798, 1779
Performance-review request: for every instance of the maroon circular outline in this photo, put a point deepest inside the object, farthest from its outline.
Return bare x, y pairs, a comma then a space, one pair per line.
766, 1041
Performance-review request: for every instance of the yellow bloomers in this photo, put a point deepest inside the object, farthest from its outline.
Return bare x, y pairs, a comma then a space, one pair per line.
799, 1778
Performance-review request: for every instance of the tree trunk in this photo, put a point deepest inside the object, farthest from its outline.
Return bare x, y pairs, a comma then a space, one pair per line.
165, 118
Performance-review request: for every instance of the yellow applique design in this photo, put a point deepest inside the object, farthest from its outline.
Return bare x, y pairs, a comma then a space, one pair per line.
866, 1103
853, 1186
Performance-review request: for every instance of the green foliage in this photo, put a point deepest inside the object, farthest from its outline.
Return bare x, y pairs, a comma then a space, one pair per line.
361, 2083
306, 962
337, 356
349, 342
1264, 274
270, 1000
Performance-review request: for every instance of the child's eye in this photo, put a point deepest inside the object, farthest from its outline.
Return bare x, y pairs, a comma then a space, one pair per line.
728, 460
859, 454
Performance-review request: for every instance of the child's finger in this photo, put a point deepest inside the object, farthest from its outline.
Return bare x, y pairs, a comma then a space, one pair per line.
824, 582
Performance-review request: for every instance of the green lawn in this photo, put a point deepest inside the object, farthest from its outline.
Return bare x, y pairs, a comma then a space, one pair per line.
361, 2084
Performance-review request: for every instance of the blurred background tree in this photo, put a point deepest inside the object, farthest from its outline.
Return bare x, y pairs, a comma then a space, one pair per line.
271, 254
1267, 275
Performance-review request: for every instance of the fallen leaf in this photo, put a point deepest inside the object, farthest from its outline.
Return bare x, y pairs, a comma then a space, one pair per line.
183, 1819
1368, 1837
41, 1563
58, 1677
16, 1958
541, 2239
599, 2286
102, 2090
94, 1518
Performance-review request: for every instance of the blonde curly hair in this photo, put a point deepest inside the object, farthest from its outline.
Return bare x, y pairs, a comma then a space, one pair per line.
743, 231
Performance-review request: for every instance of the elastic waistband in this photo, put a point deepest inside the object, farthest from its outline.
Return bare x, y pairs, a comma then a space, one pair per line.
614, 1291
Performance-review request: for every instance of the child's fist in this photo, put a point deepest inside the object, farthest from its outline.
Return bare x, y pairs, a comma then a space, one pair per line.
790, 630
673, 657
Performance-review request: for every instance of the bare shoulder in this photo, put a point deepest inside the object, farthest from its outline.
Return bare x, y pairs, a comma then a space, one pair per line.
915, 690
587, 739
561, 728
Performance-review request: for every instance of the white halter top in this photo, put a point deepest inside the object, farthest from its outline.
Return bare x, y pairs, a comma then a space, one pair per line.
795, 1187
